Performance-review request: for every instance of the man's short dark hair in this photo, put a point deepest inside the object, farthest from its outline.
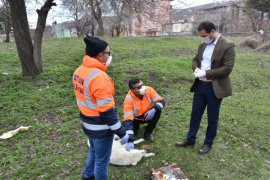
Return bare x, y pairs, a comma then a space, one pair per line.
132, 82
207, 26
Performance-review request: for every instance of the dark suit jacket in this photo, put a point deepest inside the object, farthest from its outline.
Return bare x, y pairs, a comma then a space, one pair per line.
223, 59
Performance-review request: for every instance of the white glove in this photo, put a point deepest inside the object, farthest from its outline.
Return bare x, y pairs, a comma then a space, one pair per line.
198, 73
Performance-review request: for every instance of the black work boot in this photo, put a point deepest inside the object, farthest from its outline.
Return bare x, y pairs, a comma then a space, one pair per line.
149, 137
90, 178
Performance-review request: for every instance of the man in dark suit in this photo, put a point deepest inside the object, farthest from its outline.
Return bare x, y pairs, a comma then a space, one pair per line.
212, 66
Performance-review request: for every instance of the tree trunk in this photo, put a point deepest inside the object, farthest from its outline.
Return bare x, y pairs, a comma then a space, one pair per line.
118, 32
42, 16
78, 31
7, 36
77, 24
100, 27
78, 27
97, 13
93, 29
254, 27
260, 24
23, 38
266, 36
7, 28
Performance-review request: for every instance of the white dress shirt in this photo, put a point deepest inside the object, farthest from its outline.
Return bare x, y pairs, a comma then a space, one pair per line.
207, 55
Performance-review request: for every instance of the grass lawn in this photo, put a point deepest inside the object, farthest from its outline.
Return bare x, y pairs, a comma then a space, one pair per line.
55, 147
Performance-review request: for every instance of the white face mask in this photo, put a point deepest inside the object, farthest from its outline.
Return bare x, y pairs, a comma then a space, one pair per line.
143, 90
206, 40
108, 61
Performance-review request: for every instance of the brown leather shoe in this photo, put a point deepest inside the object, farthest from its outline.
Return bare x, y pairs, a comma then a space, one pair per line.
185, 143
205, 149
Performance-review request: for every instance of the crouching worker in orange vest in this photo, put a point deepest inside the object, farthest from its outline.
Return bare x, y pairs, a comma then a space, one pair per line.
94, 91
142, 105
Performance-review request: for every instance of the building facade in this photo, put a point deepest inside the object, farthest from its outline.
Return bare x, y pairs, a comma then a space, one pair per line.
158, 13
228, 16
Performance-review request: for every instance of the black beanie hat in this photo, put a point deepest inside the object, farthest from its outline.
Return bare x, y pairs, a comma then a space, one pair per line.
94, 45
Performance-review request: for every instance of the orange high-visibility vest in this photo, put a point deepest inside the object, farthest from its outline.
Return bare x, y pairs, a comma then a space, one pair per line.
94, 89
134, 107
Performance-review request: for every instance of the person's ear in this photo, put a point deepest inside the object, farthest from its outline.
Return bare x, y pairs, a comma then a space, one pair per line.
99, 56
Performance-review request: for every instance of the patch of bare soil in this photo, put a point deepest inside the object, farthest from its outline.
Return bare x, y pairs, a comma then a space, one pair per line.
51, 119
265, 47
183, 52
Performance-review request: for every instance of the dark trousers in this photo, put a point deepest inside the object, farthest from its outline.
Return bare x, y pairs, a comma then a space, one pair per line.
150, 124
204, 96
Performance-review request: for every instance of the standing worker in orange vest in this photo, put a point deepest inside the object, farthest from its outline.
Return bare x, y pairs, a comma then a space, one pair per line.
94, 91
142, 105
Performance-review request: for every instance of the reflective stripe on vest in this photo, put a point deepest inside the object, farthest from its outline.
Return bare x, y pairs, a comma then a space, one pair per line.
150, 100
129, 113
95, 127
101, 102
135, 109
156, 98
115, 126
89, 104
130, 132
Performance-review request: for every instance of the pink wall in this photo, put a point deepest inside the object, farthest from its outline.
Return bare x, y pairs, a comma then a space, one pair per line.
152, 25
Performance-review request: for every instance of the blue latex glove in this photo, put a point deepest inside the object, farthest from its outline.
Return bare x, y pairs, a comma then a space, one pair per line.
124, 140
129, 146
150, 114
